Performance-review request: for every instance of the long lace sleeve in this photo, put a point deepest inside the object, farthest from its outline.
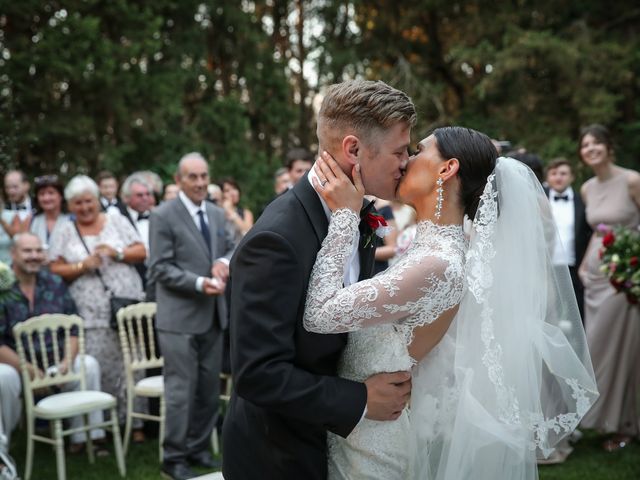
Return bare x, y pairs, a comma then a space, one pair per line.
415, 291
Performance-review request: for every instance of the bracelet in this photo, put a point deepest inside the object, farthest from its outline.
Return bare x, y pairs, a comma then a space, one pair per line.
79, 266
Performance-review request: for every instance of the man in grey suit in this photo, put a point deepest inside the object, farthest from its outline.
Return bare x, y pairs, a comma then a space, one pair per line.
189, 264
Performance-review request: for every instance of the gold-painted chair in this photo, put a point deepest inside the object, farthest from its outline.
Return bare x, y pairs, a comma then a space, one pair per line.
137, 341
60, 406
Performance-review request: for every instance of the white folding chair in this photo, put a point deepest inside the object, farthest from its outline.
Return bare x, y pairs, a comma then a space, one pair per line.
225, 397
137, 340
60, 406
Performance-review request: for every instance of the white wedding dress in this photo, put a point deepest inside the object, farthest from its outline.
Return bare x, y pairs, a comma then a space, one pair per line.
426, 281
511, 377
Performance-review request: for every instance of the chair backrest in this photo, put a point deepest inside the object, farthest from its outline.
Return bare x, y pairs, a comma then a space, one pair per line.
33, 332
227, 381
137, 337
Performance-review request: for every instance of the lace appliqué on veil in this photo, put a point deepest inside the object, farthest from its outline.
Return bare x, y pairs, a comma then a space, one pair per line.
480, 280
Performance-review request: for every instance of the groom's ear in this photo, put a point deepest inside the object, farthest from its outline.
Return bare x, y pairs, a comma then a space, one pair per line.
351, 149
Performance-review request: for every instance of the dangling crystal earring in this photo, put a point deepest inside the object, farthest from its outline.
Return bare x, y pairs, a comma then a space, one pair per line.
440, 198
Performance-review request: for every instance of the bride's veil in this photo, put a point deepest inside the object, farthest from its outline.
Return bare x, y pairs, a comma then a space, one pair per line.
513, 376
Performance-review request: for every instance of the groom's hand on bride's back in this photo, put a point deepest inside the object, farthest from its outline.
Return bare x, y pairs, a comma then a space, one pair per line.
387, 395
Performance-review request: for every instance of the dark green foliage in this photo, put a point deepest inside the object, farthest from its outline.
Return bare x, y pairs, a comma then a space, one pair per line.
125, 85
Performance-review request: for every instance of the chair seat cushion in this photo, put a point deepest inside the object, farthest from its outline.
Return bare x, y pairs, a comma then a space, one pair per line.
69, 404
150, 386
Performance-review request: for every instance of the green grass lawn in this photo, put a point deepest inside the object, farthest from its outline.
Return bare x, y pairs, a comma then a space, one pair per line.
588, 462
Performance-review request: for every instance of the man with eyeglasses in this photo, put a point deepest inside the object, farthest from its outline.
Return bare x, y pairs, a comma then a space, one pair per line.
137, 195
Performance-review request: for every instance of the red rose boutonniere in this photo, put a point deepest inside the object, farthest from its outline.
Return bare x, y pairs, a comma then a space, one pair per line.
377, 225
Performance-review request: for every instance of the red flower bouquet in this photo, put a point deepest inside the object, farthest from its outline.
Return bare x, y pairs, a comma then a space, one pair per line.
620, 252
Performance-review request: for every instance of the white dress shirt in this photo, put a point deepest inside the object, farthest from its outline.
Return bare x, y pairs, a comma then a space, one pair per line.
352, 272
142, 225
110, 206
564, 251
193, 210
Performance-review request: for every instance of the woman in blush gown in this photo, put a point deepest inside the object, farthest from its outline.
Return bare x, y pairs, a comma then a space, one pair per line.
612, 324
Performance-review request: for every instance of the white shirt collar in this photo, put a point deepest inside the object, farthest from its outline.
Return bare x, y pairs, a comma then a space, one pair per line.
312, 174
134, 214
568, 192
192, 208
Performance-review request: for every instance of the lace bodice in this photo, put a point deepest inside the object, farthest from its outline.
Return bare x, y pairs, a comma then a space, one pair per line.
425, 282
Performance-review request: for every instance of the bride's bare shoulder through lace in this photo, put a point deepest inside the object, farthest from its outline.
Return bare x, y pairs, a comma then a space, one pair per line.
425, 282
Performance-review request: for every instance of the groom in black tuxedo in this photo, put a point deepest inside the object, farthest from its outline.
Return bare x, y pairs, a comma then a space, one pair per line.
287, 395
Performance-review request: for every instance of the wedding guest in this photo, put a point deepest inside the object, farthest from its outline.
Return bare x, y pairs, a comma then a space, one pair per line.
138, 200
240, 218
385, 246
281, 181
531, 160
612, 197
16, 213
6, 216
404, 215
50, 208
569, 215
214, 194
406, 230
155, 182
92, 254
108, 186
170, 191
16, 187
36, 292
189, 252
299, 161
18, 203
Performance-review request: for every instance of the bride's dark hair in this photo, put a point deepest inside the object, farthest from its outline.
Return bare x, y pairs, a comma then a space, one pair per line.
477, 156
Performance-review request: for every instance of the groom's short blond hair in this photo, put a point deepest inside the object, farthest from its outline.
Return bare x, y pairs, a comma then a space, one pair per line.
363, 108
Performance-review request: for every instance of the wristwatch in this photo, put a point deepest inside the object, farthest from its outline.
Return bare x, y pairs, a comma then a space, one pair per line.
119, 254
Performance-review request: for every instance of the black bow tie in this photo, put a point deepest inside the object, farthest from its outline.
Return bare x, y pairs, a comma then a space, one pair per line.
144, 216
21, 207
561, 197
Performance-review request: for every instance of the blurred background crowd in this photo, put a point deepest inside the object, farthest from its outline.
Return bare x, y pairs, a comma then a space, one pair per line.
100, 102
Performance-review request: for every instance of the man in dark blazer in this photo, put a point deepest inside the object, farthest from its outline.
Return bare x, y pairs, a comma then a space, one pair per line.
108, 186
136, 205
189, 254
287, 395
569, 214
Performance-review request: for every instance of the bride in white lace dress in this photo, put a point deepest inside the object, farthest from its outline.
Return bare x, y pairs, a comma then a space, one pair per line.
498, 374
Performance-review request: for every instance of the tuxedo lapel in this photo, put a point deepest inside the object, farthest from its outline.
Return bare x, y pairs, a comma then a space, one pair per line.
125, 213
366, 253
184, 216
310, 201
213, 229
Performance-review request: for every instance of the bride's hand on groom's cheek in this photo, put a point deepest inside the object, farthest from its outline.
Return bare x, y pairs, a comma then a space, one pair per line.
387, 395
335, 187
